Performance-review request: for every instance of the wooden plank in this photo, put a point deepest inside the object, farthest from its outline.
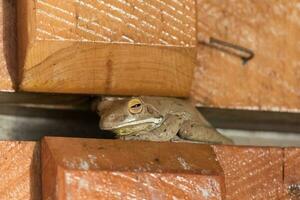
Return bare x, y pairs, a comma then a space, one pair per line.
111, 169
19, 170
270, 81
292, 173
8, 61
107, 47
252, 172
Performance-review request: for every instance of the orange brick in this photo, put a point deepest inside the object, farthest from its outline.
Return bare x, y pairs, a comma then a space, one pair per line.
292, 173
113, 169
19, 171
252, 173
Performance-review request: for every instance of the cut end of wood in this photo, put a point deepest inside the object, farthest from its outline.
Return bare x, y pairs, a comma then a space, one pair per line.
136, 48
110, 169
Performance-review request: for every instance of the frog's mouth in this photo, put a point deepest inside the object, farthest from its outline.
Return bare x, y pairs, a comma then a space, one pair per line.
133, 127
138, 122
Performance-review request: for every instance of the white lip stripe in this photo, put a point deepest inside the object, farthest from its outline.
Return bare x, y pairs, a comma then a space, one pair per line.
152, 120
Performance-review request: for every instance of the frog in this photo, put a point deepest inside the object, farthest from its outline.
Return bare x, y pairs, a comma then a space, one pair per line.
156, 119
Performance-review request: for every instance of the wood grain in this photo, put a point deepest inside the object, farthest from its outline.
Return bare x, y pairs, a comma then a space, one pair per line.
107, 47
126, 70
270, 81
252, 172
169, 22
8, 61
19, 171
113, 169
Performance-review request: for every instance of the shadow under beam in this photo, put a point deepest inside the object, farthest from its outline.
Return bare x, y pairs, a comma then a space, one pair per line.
9, 37
252, 120
33, 124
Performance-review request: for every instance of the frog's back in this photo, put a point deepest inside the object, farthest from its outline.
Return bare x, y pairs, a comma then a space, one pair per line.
169, 105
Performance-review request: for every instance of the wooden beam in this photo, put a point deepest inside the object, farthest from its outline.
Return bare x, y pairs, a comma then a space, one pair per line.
111, 169
117, 47
270, 81
94, 168
19, 170
8, 61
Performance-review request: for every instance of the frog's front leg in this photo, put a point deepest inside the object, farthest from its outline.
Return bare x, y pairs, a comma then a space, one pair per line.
166, 132
198, 132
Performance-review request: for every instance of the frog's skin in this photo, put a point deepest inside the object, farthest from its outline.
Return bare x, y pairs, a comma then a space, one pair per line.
156, 119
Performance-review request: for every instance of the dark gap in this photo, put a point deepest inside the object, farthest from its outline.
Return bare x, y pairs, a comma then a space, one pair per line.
35, 174
19, 123
252, 120
72, 116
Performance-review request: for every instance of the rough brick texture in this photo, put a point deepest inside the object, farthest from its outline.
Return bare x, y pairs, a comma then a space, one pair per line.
19, 171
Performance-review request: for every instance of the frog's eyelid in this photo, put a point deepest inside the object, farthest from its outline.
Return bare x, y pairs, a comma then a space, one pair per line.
143, 102
152, 107
134, 101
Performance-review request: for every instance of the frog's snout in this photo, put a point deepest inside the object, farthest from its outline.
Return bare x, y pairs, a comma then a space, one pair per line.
106, 121
111, 117
110, 121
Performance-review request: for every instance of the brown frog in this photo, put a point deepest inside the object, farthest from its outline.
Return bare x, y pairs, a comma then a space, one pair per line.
156, 119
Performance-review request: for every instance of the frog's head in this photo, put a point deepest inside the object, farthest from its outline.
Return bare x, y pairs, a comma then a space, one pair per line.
125, 116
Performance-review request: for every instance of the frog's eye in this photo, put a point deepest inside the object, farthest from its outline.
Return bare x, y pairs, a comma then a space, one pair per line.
135, 106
